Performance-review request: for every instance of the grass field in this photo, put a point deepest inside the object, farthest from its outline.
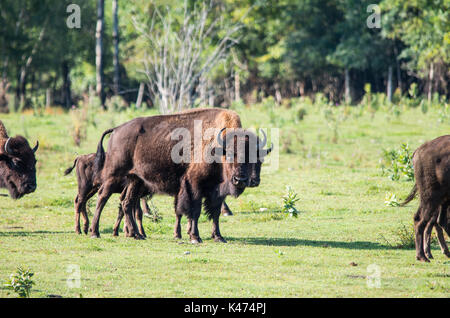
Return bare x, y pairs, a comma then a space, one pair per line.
344, 230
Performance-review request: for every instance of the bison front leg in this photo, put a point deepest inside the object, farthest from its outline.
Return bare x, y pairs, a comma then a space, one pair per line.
118, 221
138, 215
189, 203
104, 193
212, 208
225, 210
128, 206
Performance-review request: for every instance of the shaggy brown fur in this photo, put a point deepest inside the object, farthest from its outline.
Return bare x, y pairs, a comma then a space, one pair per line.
88, 186
17, 164
141, 151
432, 173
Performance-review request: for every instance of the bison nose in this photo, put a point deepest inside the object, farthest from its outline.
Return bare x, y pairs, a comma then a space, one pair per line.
254, 183
240, 181
30, 187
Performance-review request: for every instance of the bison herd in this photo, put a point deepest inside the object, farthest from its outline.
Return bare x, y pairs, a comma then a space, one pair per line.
199, 157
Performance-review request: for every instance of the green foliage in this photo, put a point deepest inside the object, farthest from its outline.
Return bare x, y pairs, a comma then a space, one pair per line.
403, 237
21, 282
391, 200
289, 200
397, 163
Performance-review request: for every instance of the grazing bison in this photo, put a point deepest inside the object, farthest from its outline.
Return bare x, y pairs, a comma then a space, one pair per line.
88, 186
432, 173
17, 164
142, 151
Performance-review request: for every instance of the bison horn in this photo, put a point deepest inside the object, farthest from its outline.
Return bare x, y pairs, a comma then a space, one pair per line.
7, 149
263, 144
219, 138
36, 147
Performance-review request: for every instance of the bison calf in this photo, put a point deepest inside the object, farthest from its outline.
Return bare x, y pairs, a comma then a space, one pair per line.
432, 173
88, 186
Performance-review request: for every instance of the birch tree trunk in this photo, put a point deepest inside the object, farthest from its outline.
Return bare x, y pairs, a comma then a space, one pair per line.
115, 8
99, 50
348, 96
389, 84
430, 82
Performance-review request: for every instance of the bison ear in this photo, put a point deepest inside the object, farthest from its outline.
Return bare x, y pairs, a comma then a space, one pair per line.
36, 147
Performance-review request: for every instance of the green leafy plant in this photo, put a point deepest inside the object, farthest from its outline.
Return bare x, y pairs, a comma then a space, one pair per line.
398, 163
21, 282
391, 200
289, 200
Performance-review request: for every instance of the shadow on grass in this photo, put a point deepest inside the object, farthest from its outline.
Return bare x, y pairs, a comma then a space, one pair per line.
33, 233
275, 241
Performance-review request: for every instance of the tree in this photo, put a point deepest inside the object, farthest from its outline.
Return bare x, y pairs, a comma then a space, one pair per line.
99, 51
182, 52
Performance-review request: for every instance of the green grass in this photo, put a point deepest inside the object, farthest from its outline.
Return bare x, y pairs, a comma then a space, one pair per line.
342, 219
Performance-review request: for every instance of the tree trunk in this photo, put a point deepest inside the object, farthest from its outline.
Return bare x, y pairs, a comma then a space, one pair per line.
140, 95
99, 51
389, 84
67, 96
116, 46
430, 82
237, 87
348, 96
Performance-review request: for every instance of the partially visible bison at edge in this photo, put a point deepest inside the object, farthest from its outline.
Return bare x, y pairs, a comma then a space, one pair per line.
17, 164
141, 150
432, 173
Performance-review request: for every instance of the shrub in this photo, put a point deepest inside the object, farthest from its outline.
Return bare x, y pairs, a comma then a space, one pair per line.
398, 163
289, 200
21, 282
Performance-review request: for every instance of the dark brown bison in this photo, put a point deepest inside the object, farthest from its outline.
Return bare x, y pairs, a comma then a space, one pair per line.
17, 164
88, 186
142, 151
432, 173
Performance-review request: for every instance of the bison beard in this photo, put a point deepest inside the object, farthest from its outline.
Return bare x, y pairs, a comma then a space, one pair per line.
432, 173
17, 164
141, 151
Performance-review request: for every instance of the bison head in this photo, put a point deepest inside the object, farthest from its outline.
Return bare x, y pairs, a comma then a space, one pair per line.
244, 155
17, 164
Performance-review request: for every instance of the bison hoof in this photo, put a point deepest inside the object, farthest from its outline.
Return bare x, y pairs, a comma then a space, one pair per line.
422, 259
447, 253
78, 231
196, 241
139, 237
86, 230
93, 235
219, 239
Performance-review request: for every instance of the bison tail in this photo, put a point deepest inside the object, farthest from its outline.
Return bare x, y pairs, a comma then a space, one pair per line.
69, 170
100, 155
411, 196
